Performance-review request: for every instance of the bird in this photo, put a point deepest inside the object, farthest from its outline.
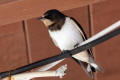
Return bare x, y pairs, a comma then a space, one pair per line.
66, 33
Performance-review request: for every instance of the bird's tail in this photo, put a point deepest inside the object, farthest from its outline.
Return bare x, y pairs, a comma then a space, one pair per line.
89, 68
95, 65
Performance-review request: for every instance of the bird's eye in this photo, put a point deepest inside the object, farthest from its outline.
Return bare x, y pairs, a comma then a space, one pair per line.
48, 16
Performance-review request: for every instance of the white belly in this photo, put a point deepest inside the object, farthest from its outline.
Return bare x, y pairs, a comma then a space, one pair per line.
67, 37
83, 56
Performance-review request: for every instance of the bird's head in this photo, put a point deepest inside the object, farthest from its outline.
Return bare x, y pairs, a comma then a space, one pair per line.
51, 17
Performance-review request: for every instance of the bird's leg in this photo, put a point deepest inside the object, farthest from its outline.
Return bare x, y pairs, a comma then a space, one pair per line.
76, 45
65, 51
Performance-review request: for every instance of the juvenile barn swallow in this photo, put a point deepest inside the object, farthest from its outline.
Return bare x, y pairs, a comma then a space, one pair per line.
67, 34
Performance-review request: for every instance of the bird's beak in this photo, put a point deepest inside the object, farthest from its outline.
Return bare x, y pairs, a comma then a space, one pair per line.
41, 18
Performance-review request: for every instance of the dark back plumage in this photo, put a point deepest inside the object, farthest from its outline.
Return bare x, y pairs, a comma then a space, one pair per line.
54, 15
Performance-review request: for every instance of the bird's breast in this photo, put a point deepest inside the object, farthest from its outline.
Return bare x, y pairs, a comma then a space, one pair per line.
67, 37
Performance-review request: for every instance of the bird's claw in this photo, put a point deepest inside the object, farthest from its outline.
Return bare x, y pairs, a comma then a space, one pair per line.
76, 45
65, 51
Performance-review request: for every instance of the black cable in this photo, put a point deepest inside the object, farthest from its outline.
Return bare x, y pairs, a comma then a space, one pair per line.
60, 56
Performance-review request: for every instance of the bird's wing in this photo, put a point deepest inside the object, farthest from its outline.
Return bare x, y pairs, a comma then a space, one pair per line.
54, 41
78, 26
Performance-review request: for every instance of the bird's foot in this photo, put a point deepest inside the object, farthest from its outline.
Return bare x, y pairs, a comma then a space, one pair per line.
76, 45
65, 51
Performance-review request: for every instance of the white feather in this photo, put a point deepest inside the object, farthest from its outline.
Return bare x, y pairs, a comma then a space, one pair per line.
94, 65
67, 37
88, 68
